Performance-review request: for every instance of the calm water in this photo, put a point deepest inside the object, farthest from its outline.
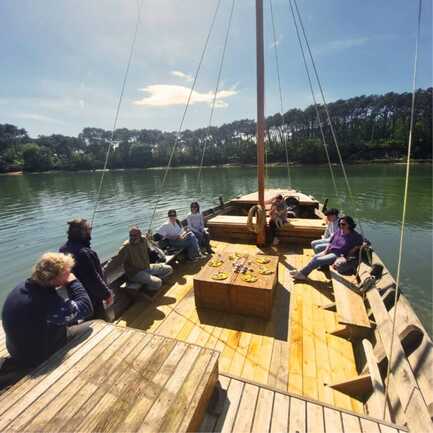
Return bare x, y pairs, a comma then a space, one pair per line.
35, 207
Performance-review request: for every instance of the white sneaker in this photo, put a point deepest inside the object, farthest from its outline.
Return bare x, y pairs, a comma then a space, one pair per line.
276, 241
299, 276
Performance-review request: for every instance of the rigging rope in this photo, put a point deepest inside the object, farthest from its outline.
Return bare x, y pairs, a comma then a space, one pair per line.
316, 105
331, 126
403, 218
119, 103
216, 87
164, 178
277, 63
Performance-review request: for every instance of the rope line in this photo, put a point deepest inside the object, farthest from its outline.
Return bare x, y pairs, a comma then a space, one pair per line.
119, 103
403, 217
212, 111
316, 105
331, 126
196, 74
277, 64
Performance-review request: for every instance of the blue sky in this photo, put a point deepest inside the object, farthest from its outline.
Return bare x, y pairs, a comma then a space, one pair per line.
63, 61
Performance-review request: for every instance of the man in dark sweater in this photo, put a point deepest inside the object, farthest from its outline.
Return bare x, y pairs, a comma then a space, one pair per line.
36, 319
87, 265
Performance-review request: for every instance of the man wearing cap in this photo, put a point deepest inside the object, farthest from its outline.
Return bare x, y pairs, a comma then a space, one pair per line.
134, 256
332, 219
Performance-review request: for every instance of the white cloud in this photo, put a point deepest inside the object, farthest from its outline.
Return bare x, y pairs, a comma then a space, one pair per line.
342, 44
181, 74
163, 95
38, 118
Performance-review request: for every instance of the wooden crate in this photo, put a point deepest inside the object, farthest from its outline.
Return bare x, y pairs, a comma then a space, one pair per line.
233, 294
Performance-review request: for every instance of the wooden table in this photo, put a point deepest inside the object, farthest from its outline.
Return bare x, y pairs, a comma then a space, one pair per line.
116, 379
233, 294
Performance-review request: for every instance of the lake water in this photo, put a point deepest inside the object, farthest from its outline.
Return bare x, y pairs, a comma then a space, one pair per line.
35, 207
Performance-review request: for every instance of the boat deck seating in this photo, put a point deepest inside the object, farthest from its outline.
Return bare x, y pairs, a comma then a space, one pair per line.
411, 366
235, 227
251, 407
125, 293
349, 303
114, 379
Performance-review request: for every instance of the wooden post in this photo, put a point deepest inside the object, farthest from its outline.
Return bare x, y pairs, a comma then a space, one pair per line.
260, 134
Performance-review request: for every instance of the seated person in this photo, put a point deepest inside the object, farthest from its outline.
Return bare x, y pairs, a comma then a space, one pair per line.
195, 223
342, 244
278, 217
36, 319
332, 219
87, 266
180, 237
134, 256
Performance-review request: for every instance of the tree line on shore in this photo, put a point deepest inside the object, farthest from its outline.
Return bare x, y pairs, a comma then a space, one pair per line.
367, 128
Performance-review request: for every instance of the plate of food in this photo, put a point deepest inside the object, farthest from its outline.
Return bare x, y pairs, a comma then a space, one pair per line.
262, 260
219, 276
215, 263
263, 270
248, 278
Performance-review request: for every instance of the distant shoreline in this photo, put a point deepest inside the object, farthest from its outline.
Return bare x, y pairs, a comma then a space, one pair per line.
194, 167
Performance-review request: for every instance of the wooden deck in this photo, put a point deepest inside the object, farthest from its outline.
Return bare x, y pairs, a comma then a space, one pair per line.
270, 194
293, 351
115, 379
249, 407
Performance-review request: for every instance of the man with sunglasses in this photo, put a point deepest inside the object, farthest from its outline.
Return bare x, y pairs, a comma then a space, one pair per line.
342, 244
180, 237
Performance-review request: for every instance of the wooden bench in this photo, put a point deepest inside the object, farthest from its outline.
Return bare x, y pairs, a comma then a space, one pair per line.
350, 307
235, 227
116, 379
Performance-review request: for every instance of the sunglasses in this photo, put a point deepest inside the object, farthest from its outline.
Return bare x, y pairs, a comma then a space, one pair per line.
172, 215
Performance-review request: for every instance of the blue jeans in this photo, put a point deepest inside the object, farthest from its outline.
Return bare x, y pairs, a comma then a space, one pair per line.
317, 261
190, 243
319, 245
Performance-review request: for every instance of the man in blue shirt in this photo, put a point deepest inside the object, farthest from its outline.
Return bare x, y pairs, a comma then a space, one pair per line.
38, 321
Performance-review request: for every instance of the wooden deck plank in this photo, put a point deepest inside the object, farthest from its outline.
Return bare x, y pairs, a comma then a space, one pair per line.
88, 407
325, 393
278, 372
297, 416
280, 413
183, 408
315, 423
350, 304
231, 405
263, 411
295, 366
210, 419
333, 423
350, 423
309, 370
247, 405
153, 420
62, 391
16, 401
29, 382
368, 426
157, 372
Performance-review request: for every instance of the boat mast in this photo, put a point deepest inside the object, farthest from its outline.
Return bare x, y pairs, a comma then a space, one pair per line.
260, 133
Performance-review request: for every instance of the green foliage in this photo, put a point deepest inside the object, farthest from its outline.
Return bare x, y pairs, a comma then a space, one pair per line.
367, 127
37, 158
